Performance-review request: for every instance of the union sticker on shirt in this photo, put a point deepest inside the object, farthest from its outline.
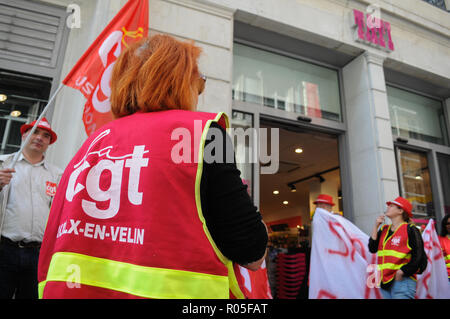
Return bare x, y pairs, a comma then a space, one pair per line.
50, 188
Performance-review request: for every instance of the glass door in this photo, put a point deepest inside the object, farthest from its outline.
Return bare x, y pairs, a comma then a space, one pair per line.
243, 122
415, 182
444, 171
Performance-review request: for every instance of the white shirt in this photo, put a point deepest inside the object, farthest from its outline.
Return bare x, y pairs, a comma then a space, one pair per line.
30, 195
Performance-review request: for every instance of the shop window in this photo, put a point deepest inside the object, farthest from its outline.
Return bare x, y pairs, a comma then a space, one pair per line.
416, 116
438, 3
414, 175
22, 98
284, 83
243, 147
444, 169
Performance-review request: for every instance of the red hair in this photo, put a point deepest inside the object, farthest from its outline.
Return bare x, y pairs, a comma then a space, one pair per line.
155, 74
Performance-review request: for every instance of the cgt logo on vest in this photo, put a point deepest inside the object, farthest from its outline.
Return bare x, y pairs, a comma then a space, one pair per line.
396, 241
115, 166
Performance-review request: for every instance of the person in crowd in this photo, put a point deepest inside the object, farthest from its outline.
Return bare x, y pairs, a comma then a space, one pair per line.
399, 246
444, 240
325, 201
147, 207
27, 199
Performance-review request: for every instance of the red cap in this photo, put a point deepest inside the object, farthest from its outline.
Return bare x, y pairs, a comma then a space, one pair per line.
403, 203
43, 124
324, 199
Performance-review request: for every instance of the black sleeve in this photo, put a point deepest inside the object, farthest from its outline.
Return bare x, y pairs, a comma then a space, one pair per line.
232, 220
416, 244
373, 244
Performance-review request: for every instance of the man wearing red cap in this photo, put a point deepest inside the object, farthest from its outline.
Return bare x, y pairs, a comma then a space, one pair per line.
32, 185
325, 201
400, 250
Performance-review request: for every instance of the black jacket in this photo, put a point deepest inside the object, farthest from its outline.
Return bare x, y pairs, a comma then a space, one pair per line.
232, 220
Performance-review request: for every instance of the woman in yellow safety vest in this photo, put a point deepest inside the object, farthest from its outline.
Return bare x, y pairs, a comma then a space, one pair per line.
399, 247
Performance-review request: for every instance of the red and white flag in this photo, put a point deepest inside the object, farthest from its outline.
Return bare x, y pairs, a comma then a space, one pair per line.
433, 282
253, 284
92, 73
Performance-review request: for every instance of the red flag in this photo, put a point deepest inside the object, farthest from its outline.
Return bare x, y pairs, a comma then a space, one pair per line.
92, 73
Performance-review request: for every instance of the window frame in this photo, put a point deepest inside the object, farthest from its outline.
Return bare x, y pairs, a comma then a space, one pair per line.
338, 128
338, 125
252, 186
431, 149
446, 130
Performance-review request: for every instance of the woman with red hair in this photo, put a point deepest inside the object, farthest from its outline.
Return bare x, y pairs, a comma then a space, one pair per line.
141, 211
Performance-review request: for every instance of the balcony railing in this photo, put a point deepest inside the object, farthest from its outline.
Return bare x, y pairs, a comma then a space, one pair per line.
438, 3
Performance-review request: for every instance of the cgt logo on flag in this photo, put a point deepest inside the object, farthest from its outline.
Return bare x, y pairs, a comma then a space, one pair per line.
100, 99
92, 73
82, 83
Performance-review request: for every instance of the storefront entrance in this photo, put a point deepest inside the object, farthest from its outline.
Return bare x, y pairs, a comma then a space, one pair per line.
308, 166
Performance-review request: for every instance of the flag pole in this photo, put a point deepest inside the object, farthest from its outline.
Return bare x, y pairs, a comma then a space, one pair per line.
16, 156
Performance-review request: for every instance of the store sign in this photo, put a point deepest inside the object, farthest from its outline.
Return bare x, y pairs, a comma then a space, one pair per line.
372, 30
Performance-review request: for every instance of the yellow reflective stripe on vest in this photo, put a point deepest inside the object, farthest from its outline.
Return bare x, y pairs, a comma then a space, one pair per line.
447, 258
147, 282
390, 266
393, 253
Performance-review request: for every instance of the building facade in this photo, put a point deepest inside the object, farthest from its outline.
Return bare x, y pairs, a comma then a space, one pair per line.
364, 104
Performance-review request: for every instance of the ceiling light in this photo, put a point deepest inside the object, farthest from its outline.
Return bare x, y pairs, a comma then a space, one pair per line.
275, 192
298, 150
285, 202
15, 113
3, 97
293, 188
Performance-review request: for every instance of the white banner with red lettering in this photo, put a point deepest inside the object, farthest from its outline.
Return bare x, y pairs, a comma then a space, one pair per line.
433, 282
341, 265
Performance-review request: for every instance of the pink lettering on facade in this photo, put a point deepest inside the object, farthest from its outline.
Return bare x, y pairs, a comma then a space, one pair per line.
359, 21
388, 32
373, 31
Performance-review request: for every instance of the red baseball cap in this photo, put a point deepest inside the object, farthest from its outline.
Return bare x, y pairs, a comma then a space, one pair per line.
324, 199
43, 124
402, 203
